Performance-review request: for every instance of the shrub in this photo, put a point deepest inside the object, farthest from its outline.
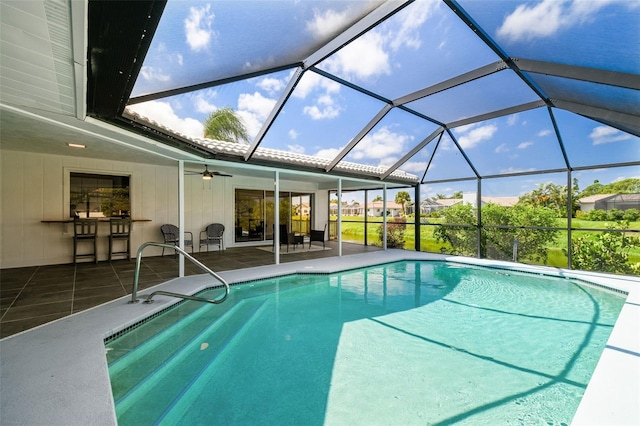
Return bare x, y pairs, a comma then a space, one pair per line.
605, 251
615, 214
497, 242
396, 228
631, 215
595, 215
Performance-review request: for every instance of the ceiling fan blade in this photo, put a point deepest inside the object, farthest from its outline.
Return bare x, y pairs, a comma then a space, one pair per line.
221, 174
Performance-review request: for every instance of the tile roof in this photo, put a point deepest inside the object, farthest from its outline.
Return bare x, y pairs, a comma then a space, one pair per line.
272, 155
594, 198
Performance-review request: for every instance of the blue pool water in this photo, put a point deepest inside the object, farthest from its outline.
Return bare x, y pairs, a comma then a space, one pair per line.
401, 343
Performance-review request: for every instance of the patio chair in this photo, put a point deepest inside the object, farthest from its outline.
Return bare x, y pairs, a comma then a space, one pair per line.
317, 235
171, 235
120, 230
85, 230
212, 234
286, 237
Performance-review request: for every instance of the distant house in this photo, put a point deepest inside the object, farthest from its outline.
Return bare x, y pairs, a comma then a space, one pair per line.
471, 198
374, 208
429, 206
353, 209
303, 209
609, 202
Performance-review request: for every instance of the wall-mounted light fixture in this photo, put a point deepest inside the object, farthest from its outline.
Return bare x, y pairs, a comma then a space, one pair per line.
76, 145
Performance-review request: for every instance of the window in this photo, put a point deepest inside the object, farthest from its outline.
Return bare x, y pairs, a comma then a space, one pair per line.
96, 195
254, 215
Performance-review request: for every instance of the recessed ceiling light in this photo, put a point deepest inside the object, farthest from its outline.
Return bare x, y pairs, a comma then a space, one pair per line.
76, 145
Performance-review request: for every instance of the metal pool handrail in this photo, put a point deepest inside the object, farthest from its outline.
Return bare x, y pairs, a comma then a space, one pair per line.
136, 276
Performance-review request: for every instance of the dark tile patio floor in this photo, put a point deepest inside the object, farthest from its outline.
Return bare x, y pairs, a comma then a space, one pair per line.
35, 295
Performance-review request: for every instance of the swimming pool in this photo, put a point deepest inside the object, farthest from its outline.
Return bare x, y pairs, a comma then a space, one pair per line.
402, 343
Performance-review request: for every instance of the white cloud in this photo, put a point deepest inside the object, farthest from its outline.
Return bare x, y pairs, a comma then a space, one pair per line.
295, 148
383, 145
545, 132
477, 135
162, 112
256, 103
605, 134
198, 27
203, 106
463, 129
502, 148
413, 19
311, 81
516, 170
201, 100
327, 23
528, 22
513, 119
325, 108
546, 18
293, 135
414, 166
619, 178
154, 74
254, 110
363, 58
271, 85
525, 145
328, 153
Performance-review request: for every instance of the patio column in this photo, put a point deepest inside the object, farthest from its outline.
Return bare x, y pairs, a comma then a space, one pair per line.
181, 224
384, 217
339, 221
276, 219
416, 217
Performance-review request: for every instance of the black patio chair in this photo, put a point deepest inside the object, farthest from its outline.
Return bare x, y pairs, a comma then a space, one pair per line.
317, 235
213, 234
171, 235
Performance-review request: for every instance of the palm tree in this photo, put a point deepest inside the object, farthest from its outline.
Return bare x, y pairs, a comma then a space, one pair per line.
402, 197
224, 125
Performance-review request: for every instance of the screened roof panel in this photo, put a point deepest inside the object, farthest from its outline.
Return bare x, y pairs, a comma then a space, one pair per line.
491, 93
597, 34
252, 100
436, 191
588, 93
589, 142
516, 186
392, 138
425, 50
423, 44
418, 163
605, 175
202, 41
320, 117
448, 163
522, 142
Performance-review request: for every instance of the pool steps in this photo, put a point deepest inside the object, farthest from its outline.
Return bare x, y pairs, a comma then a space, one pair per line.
183, 321
138, 404
178, 409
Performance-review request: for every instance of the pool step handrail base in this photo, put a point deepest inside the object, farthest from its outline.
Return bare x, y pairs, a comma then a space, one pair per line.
136, 276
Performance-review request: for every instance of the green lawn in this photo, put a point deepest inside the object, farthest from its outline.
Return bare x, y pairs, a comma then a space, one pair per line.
353, 231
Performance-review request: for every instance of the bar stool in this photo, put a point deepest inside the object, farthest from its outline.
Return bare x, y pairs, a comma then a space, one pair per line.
120, 230
85, 230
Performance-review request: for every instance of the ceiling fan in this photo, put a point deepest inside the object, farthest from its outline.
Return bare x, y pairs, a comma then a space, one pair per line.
207, 175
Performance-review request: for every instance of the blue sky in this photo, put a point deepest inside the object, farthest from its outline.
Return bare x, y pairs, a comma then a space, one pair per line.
420, 46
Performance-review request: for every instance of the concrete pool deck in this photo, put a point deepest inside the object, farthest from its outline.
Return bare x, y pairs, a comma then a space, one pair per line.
57, 373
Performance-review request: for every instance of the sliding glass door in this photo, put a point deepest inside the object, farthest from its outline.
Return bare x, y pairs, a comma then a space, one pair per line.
254, 214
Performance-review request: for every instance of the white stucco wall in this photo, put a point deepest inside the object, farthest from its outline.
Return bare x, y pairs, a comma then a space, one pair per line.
35, 187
